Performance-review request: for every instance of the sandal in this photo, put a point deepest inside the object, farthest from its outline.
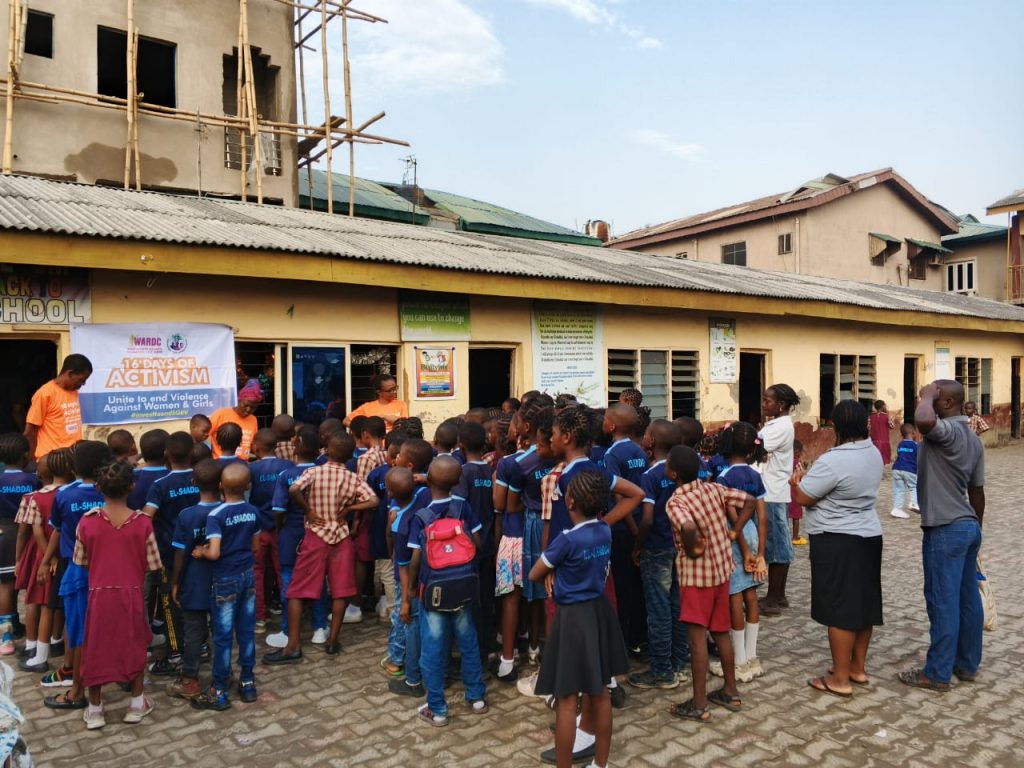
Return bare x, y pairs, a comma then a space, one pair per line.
689, 711
438, 721
963, 676
821, 684
915, 678
61, 701
864, 682
723, 699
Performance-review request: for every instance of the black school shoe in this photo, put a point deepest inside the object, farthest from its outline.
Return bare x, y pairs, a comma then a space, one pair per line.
280, 657
333, 649
548, 755
56, 649
618, 695
401, 688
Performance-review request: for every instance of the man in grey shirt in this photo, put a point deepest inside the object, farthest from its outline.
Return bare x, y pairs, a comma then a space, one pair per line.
951, 493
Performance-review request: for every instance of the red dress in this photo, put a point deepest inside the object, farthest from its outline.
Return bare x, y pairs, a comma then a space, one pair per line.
878, 424
117, 632
34, 510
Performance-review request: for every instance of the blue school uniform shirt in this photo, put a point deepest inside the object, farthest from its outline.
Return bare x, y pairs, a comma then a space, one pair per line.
225, 460
169, 495
597, 453
525, 476
293, 523
906, 457
352, 464
15, 483
476, 486
580, 559
712, 468
560, 521
459, 456
265, 473
321, 459
196, 575
69, 504
511, 522
400, 529
438, 508
379, 523
627, 460
144, 479
234, 523
658, 489
745, 478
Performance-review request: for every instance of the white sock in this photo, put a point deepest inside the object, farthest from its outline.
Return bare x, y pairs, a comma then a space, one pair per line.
506, 666
54, 640
30, 645
42, 654
750, 640
579, 718
137, 702
739, 649
614, 683
583, 740
95, 710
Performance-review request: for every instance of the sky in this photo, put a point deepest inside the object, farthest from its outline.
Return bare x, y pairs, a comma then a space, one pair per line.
642, 111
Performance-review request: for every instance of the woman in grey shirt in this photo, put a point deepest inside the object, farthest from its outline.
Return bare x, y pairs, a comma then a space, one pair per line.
839, 491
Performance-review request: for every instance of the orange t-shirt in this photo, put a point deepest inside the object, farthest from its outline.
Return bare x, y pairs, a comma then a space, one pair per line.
392, 412
230, 416
56, 412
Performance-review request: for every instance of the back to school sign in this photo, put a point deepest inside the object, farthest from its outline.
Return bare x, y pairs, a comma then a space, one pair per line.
155, 371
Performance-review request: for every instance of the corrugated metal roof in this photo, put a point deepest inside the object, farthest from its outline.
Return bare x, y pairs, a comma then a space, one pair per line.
478, 212
30, 204
1012, 202
368, 193
887, 238
928, 245
971, 229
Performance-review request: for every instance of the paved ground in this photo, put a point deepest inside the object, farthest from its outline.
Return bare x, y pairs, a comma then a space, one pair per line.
338, 712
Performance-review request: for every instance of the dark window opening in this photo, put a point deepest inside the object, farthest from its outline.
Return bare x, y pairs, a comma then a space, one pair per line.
751, 386
735, 253
154, 74
490, 377
39, 34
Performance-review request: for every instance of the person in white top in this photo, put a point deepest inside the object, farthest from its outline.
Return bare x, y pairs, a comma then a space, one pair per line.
777, 439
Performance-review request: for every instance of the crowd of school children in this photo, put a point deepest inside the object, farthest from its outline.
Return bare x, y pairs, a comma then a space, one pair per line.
543, 536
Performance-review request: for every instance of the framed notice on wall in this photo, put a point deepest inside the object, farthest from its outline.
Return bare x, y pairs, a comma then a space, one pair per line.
942, 367
724, 357
435, 373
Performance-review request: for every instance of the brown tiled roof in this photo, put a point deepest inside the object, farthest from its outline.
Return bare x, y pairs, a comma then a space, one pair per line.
810, 195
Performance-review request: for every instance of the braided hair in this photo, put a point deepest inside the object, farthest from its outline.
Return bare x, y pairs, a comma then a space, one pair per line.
504, 444
579, 423
115, 480
588, 491
532, 408
740, 439
61, 462
786, 395
632, 396
643, 421
13, 447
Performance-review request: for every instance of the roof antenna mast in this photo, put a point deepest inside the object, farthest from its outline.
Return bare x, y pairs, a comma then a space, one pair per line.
409, 174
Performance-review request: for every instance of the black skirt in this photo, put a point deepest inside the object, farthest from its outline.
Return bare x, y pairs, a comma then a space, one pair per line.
846, 580
584, 650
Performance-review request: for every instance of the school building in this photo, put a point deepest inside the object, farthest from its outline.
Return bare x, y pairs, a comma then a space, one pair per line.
321, 302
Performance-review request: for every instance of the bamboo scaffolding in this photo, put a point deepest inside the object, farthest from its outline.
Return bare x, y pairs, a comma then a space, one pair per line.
348, 110
239, 110
135, 113
327, 106
299, 16
250, 89
14, 19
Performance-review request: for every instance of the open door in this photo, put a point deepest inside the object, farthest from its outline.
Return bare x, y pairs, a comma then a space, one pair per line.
751, 386
29, 363
910, 388
490, 376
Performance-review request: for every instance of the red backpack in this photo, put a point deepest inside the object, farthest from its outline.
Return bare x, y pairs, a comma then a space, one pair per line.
450, 553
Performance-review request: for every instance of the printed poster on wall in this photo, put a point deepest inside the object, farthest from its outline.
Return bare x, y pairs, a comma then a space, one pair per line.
568, 352
942, 367
155, 371
724, 368
44, 295
435, 373
441, 319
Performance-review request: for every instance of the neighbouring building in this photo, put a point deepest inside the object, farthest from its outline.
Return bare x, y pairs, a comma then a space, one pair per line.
187, 60
873, 227
979, 264
1013, 205
317, 298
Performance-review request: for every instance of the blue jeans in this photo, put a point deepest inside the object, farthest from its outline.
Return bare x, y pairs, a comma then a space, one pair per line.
666, 635
319, 606
233, 600
396, 635
903, 482
950, 555
436, 631
411, 639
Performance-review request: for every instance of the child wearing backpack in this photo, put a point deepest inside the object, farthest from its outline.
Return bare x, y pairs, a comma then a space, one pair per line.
444, 538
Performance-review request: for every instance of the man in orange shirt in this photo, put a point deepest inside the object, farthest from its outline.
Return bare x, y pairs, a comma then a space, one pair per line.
54, 419
249, 396
387, 405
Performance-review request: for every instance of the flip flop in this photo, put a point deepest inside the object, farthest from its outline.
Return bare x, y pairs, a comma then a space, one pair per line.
723, 699
689, 711
61, 701
821, 684
865, 682
915, 678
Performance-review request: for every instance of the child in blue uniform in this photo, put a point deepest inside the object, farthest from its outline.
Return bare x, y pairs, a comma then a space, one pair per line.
584, 648
15, 482
265, 471
152, 444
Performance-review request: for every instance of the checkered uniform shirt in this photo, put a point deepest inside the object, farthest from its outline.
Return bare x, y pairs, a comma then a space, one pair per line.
285, 450
81, 556
705, 504
330, 488
369, 461
28, 511
978, 424
549, 488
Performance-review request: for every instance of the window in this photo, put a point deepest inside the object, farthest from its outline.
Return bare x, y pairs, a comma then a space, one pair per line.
975, 375
735, 253
154, 73
39, 34
846, 377
265, 85
786, 243
960, 277
669, 380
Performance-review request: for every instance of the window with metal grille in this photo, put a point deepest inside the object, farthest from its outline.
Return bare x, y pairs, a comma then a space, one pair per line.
668, 379
270, 151
622, 373
975, 375
735, 253
846, 377
785, 243
685, 384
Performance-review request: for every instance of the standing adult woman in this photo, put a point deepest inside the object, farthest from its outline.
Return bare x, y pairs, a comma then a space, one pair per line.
387, 405
839, 492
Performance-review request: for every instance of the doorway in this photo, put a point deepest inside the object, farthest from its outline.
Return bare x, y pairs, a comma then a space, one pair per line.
29, 365
1015, 397
490, 376
910, 388
751, 386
